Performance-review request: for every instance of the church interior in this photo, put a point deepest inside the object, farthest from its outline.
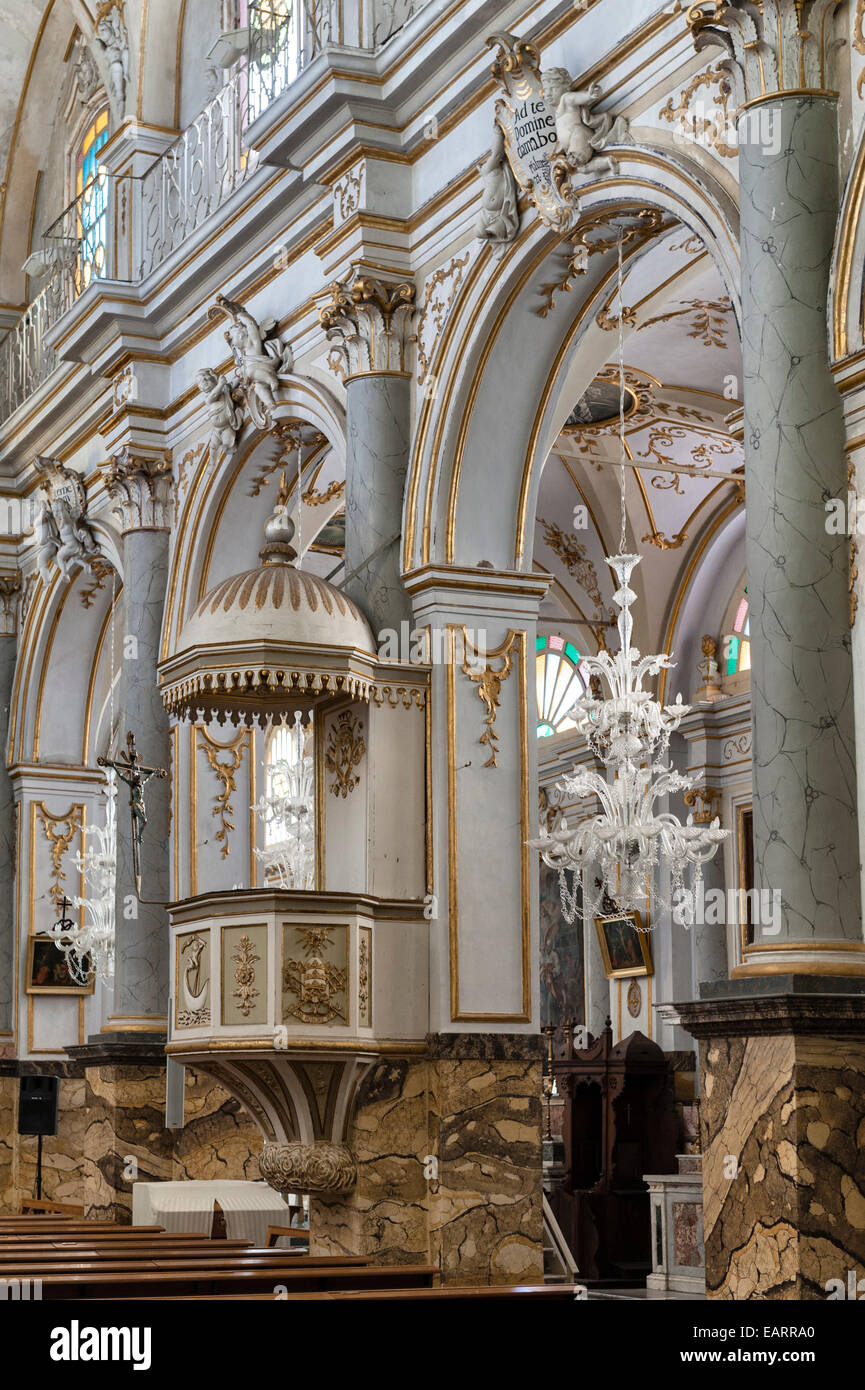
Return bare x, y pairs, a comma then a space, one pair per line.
431, 688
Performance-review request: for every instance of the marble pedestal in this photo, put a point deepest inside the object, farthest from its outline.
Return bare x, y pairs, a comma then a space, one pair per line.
677, 1228
782, 1063
448, 1152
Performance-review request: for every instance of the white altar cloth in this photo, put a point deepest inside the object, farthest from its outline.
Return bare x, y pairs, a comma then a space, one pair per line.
249, 1207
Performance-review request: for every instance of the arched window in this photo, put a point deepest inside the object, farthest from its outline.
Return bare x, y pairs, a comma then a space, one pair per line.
91, 192
736, 641
559, 683
290, 831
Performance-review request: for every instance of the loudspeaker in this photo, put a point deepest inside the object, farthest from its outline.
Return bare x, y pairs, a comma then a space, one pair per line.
37, 1105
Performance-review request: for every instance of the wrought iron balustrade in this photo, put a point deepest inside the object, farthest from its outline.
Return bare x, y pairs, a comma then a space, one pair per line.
195, 176
25, 359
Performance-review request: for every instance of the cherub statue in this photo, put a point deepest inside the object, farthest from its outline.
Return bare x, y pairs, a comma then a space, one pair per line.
499, 218
111, 34
260, 358
223, 416
76, 541
579, 133
47, 542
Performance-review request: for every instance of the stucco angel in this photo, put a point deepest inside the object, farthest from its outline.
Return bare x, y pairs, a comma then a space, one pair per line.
499, 218
111, 34
223, 416
261, 359
580, 133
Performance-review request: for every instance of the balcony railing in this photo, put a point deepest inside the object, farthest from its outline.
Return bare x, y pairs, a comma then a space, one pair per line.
195, 176
125, 228
25, 358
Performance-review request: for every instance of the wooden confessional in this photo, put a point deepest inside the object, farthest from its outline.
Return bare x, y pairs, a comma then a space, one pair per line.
619, 1122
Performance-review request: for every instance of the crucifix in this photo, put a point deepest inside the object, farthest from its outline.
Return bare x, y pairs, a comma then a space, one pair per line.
130, 769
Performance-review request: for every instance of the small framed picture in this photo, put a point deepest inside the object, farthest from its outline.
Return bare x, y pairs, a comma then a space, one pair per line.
624, 948
47, 970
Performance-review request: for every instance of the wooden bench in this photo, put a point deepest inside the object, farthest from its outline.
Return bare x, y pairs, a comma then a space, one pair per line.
562, 1293
139, 1282
30, 1206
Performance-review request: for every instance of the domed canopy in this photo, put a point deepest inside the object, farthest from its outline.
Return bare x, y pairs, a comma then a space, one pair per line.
268, 641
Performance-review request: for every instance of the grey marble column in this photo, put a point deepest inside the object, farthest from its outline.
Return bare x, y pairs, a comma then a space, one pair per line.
8, 650
368, 320
378, 426
142, 936
805, 828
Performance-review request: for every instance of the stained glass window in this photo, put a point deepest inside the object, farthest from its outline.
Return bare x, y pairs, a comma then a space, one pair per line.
559, 683
736, 647
91, 188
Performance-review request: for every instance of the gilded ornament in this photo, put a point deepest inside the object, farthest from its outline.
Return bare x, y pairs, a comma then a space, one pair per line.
345, 748
244, 975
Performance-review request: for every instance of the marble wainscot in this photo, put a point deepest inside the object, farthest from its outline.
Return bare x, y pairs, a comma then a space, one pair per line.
677, 1229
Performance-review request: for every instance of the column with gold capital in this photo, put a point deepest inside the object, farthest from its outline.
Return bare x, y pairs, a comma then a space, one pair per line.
368, 319
782, 1044
806, 846
140, 486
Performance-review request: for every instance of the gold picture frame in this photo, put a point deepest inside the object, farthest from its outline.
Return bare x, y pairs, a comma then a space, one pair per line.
624, 954
47, 971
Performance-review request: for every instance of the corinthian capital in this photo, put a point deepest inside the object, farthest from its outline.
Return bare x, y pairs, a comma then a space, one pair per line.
776, 47
368, 321
141, 487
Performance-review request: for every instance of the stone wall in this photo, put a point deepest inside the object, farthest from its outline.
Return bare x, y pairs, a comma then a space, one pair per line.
448, 1151
115, 1113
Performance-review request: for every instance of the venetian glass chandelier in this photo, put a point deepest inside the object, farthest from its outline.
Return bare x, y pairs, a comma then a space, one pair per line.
621, 851
287, 812
89, 949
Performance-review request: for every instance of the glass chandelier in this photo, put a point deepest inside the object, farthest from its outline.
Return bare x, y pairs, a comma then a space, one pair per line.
287, 812
621, 850
89, 949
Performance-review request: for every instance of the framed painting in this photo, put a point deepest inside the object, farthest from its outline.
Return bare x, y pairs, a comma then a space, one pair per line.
624, 947
48, 971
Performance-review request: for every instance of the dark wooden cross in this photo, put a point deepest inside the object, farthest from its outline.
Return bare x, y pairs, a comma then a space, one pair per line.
65, 923
131, 770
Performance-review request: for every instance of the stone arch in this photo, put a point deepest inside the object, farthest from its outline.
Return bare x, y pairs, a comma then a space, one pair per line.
847, 276
506, 378
217, 501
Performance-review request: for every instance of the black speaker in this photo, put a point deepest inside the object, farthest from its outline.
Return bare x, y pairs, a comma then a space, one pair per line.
37, 1105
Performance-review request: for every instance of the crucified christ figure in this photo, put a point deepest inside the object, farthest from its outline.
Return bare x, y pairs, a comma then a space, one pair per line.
129, 769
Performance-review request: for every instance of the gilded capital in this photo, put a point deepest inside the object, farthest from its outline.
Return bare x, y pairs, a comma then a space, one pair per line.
776, 47
368, 321
141, 487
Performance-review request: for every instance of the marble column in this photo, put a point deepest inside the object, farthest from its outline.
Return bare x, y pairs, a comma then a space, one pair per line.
368, 321
804, 777
783, 1105
141, 488
10, 585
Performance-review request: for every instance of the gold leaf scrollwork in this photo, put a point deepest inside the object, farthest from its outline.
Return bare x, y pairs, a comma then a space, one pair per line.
345, 748
583, 243
706, 798
226, 774
575, 559
59, 832
714, 128
440, 291
489, 682
859, 40
244, 958
709, 320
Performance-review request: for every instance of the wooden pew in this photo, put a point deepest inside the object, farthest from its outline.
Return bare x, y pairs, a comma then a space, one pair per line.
101, 1261
29, 1207
563, 1293
139, 1282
